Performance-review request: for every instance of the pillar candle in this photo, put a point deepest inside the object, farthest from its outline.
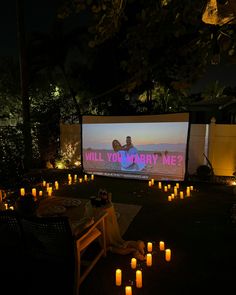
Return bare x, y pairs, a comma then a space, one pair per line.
162, 245
188, 191
118, 277
44, 183
149, 259
56, 185
69, 176
70, 182
133, 263
152, 180
172, 196
149, 183
169, 198
40, 193
168, 254
85, 177
128, 290
47, 184
75, 177
177, 185
92, 177
149, 247
11, 208
165, 188
191, 188
139, 280
159, 185
34, 193
175, 191
6, 206
181, 194
50, 191
81, 180
169, 186
22, 191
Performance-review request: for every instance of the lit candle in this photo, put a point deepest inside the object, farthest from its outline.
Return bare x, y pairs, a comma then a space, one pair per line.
191, 188
181, 194
149, 259
81, 180
165, 188
175, 191
118, 277
56, 185
162, 245
11, 208
152, 180
6, 206
85, 177
40, 193
168, 254
75, 177
177, 185
69, 176
44, 183
188, 191
47, 184
22, 192
70, 181
169, 198
169, 186
133, 263
50, 191
128, 290
34, 193
92, 177
159, 185
149, 247
149, 183
172, 196
139, 281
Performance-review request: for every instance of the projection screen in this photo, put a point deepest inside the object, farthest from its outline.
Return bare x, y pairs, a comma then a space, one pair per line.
137, 147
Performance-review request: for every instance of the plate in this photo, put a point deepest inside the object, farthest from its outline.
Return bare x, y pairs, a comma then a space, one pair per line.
70, 202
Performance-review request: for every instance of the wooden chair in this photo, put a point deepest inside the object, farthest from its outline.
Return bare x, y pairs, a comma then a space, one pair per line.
55, 255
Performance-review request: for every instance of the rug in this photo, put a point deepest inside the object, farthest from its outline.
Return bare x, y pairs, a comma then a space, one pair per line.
125, 214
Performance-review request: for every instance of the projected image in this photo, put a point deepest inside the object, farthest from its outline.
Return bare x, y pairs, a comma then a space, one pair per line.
136, 150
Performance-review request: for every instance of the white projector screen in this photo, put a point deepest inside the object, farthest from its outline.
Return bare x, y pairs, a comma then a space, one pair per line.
155, 147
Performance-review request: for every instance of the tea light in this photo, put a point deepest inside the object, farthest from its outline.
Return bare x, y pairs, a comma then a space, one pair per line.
40, 193
139, 280
152, 181
165, 188
169, 198
44, 183
118, 277
149, 247
181, 194
177, 185
162, 245
149, 183
159, 185
22, 192
85, 177
34, 193
149, 259
133, 263
128, 290
92, 177
168, 254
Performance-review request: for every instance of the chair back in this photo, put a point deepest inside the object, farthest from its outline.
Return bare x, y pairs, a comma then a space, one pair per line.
52, 253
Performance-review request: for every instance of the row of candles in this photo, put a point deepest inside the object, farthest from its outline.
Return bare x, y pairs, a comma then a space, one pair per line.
80, 180
138, 277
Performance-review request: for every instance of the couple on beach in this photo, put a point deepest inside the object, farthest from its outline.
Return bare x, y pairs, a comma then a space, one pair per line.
129, 157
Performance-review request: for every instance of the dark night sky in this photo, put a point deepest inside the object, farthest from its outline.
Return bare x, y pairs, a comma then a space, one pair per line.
39, 16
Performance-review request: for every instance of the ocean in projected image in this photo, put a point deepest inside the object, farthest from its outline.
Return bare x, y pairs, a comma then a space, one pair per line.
135, 150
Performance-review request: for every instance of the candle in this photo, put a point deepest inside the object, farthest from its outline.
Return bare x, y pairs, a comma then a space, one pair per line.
75, 177
172, 196
162, 245
81, 180
152, 180
139, 281
177, 185
50, 191
44, 183
168, 254
159, 185
40, 193
149, 183
6, 206
191, 188
165, 188
34, 193
149, 259
128, 290
188, 191
175, 191
169, 186
56, 185
149, 247
181, 194
133, 263
118, 277
70, 181
22, 192
11, 208
47, 184
69, 176
92, 177
85, 177
169, 198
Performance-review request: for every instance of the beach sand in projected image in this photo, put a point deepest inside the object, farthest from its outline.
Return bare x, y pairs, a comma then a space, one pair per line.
158, 169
